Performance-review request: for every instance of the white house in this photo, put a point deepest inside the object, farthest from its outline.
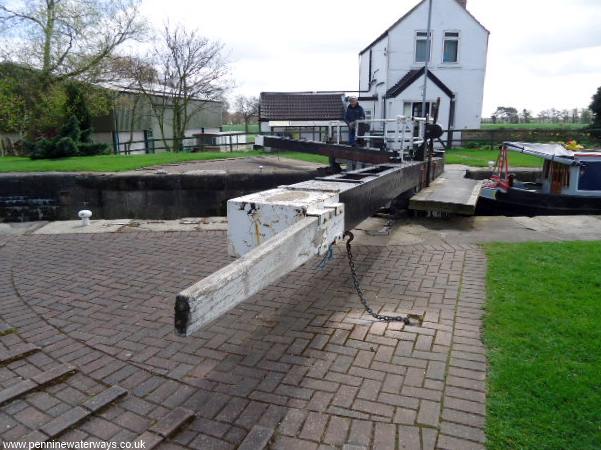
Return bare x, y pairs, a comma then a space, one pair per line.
391, 73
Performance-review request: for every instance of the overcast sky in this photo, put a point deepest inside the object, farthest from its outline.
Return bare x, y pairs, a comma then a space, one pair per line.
542, 53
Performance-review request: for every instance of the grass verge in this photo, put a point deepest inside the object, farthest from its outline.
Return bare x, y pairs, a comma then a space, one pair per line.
479, 157
534, 126
543, 335
120, 163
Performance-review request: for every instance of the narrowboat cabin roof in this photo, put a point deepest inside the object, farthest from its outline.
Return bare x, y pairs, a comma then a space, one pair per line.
551, 152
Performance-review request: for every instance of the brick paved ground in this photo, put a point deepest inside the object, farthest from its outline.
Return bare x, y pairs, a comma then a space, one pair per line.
297, 366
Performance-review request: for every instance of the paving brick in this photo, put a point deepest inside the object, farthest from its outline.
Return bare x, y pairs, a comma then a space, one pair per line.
344, 379
427, 394
405, 416
414, 377
202, 442
463, 432
320, 401
16, 390
360, 433
392, 383
369, 390
31, 417
257, 438
149, 440
429, 413
65, 421
105, 398
465, 405
53, 375
353, 447
385, 436
34, 436
472, 420
344, 412
337, 431
451, 443
429, 438
320, 385
288, 443
292, 348
465, 394
314, 426
398, 400
168, 424
292, 422
364, 358
367, 373
378, 409
359, 332
100, 428
409, 438
19, 352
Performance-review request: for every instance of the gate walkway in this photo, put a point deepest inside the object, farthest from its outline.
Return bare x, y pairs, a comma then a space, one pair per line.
449, 193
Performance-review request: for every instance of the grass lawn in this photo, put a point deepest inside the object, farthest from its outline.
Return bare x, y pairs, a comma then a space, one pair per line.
479, 157
119, 163
543, 334
309, 157
252, 127
533, 126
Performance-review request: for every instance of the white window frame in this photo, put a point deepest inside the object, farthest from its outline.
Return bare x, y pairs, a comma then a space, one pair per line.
411, 104
420, 38
444, 40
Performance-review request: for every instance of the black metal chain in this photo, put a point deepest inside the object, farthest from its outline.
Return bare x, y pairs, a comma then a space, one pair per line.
405, 319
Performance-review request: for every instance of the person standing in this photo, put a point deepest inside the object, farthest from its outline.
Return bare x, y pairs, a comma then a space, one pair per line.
354, 112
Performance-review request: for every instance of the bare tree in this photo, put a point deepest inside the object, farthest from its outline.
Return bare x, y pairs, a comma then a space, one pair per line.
187, 71
67, 38
247, 108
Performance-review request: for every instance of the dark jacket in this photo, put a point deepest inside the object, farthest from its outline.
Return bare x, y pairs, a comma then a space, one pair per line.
353, 114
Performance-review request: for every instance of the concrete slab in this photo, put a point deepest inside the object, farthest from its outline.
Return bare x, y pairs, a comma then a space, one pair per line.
258, 164
474, 230
19, 228
450, 193
74, 226
124, 225
187, 224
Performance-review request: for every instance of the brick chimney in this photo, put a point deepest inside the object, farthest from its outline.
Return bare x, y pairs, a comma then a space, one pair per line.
462, 3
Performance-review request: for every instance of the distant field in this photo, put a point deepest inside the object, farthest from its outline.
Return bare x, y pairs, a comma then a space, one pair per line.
120, 163
480, 157
252, 128
533, 126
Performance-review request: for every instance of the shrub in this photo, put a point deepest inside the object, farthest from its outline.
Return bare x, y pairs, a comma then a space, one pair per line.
92, 148
71, 129
66, 144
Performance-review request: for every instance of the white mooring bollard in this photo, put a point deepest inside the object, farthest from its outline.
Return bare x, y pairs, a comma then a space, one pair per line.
85, 215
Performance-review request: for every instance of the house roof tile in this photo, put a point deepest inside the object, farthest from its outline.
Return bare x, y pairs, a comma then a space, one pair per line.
301, 106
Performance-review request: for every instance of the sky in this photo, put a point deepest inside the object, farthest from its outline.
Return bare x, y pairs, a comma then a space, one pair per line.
542, 53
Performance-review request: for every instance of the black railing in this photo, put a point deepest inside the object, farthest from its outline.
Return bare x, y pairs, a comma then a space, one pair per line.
197, 143
477, 138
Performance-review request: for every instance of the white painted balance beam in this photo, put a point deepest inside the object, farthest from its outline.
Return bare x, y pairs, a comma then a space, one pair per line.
272, 238
275, 231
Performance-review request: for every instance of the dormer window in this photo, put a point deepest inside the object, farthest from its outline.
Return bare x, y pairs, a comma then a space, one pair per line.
451, 47
422, 52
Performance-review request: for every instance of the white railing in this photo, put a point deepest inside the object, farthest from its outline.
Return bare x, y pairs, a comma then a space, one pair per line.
397, 133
